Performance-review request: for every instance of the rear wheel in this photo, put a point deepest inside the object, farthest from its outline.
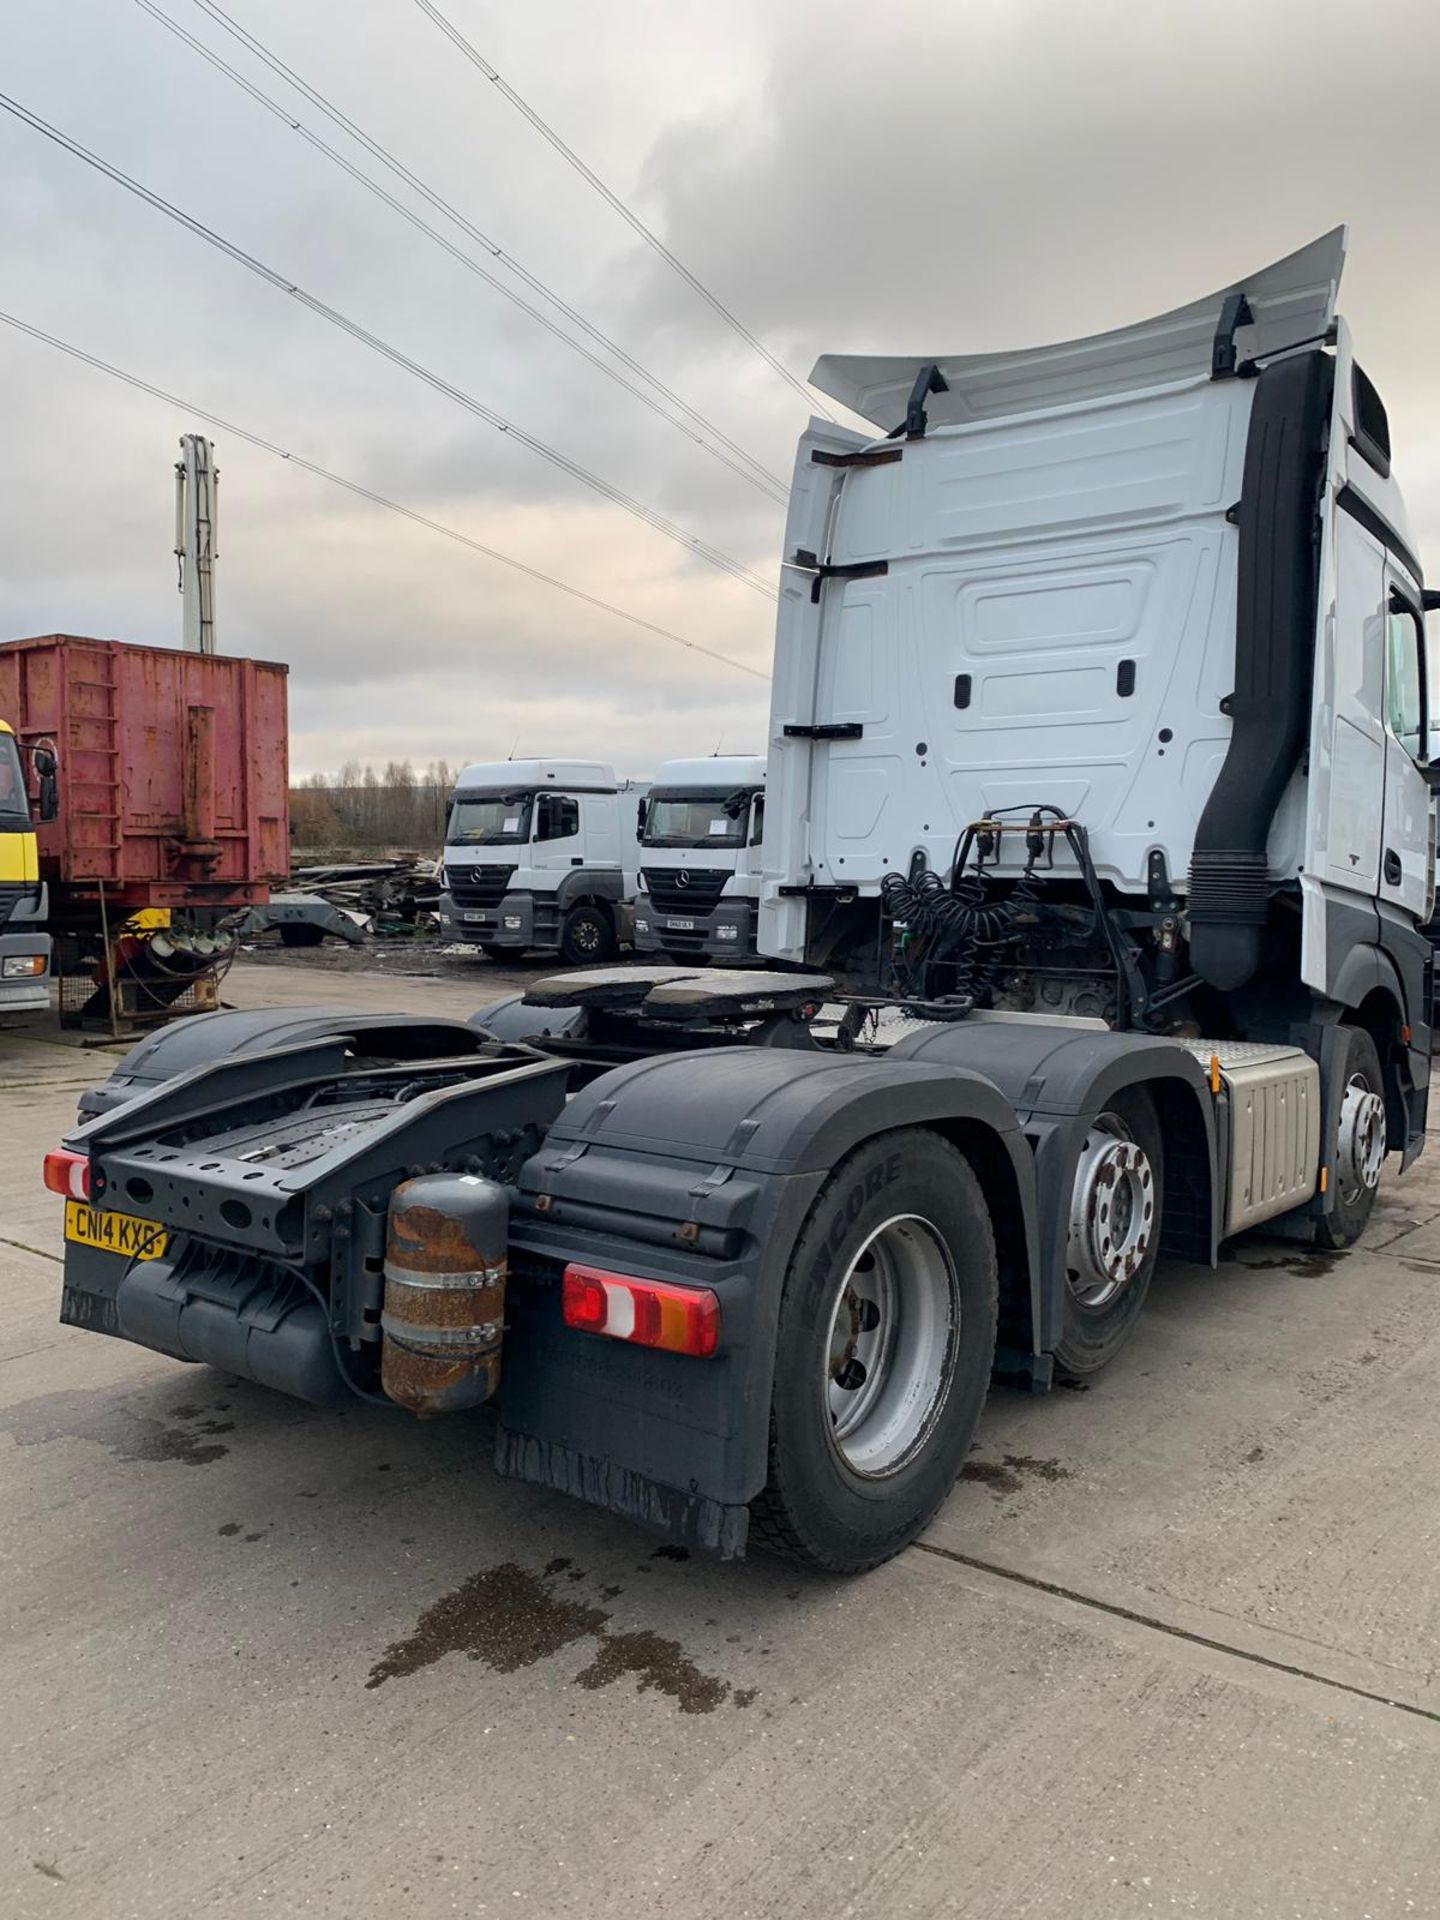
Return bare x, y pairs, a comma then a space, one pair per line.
883, 1354
587, 936
1116, 1207
1357, 1148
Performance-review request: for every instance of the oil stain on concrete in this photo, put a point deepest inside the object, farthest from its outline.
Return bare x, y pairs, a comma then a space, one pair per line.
1311, 1263
88, 1415
508, 1618
1009, 1474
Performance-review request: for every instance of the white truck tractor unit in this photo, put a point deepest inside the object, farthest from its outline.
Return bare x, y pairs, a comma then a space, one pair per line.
1101, 685
536, 859
1097, 856
699, 883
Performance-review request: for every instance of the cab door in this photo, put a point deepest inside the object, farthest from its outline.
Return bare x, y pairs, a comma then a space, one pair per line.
556, 840
1407, 851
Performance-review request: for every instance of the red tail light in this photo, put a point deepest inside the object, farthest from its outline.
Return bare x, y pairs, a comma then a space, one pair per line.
648, 1313
68, 1173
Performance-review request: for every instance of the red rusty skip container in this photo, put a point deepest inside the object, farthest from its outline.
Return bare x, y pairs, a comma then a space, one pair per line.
174, 770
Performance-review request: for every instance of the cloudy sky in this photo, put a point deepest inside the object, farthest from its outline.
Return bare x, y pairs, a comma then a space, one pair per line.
929, 176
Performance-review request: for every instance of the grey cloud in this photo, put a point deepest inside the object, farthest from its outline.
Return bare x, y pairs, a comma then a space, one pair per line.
926, 177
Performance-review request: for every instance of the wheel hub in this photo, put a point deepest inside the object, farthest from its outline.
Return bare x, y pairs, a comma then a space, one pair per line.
1360, 1147
1112, 1213
893, 1329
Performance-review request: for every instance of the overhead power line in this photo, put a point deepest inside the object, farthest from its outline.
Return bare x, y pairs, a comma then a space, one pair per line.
368, 493
467, 226
626, 213
691, 542
742, 465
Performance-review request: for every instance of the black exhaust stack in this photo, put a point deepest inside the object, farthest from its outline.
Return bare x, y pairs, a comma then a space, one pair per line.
1275, 620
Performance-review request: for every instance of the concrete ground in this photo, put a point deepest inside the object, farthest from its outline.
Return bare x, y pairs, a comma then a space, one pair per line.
1170, 1647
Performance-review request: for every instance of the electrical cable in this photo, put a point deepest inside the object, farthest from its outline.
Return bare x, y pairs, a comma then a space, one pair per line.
368, 493
428, 193
342, 1365
612, 199
724, 562
747, 470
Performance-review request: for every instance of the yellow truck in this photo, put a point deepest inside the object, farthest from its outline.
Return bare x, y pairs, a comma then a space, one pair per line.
24, 945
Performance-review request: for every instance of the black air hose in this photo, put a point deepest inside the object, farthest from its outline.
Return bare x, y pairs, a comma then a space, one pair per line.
964, 924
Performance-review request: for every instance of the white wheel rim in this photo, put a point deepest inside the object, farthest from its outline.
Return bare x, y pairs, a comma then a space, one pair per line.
890, 1346
1360, 1147
1112, 1213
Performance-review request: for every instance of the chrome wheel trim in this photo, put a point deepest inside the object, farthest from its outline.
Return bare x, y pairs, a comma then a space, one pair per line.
890, 1346
1360, 1142
1112, 1213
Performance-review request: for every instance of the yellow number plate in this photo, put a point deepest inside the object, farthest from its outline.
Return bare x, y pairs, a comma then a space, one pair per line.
114, 1232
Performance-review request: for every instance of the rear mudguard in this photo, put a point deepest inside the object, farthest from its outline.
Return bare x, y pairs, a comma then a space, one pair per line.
512, 1019
207, 1037
704, 1173
1058, 1079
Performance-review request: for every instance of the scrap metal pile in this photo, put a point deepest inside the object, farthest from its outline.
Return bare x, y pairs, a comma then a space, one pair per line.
391, 899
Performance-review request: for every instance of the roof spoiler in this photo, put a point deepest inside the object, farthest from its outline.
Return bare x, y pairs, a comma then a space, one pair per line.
1284, 305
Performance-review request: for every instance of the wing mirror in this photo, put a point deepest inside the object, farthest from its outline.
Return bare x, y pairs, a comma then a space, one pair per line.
642, 810
47, 769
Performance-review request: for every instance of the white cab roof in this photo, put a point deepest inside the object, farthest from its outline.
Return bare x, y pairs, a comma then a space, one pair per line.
514, 776
722, 771
1290, 301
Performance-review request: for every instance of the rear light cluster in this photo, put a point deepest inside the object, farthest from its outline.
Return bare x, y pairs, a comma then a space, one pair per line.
647, 1313
68, 1173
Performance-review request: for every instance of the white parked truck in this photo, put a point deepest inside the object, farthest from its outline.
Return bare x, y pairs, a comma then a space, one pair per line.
537, 859
698, 890
1097, 855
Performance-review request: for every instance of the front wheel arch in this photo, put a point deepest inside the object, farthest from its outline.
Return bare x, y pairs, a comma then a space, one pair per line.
1381, 1016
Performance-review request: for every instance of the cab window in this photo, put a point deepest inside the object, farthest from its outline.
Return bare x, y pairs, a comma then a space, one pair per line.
558, 817
489, 820
1405, 677
1371, 439
14, 803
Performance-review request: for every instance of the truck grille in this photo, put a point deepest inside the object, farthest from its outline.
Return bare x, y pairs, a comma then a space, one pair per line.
702, 889
478, 886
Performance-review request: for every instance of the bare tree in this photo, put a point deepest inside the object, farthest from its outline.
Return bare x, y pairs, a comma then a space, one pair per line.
363, 811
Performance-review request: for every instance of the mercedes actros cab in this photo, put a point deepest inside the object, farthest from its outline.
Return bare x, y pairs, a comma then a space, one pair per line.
1098, 849
700, 829
536, 859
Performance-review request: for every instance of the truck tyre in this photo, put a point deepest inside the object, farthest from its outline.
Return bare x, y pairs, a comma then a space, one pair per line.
587, 937
1116, 1208
300, 933
883, 1354
1356, 1151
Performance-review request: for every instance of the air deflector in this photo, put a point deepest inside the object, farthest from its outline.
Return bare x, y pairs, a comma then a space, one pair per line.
1290, 301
